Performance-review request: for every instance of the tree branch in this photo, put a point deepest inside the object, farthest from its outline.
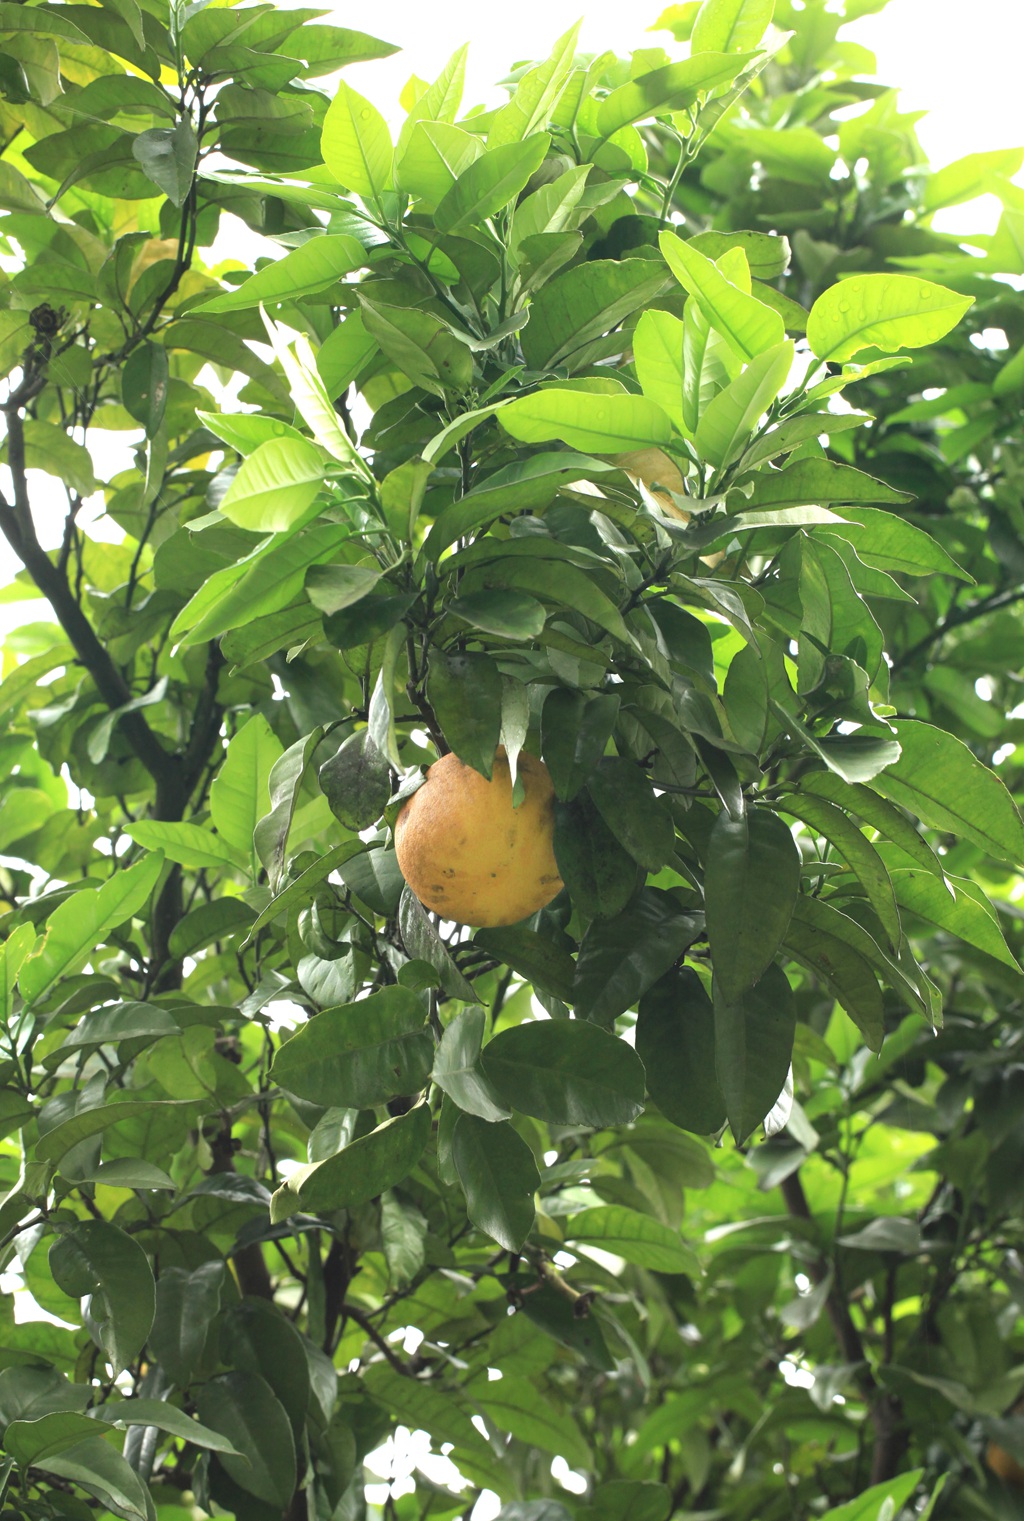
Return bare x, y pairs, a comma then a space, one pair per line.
885, 1411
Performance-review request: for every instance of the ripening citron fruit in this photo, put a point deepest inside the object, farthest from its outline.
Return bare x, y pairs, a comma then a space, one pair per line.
1003, 1466
468, 854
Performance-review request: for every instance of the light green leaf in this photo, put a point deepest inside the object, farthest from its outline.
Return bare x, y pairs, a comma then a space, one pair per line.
959, 906
79, 924
240, 793
362, 1170
49, 448
658, 356
586, 302
275, 486
535, 95
733, 414
938, 779
881, 311
599, 424
314, 266
673, 87
730, 26
490, 183
747, 324
434, 156
440, 101
640, 1239
189, 844
356, 144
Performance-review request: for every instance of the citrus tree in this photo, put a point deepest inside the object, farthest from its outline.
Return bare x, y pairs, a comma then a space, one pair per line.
640, 441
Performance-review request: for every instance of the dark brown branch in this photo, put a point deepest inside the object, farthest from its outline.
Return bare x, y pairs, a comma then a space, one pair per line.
19, 531
885, 1411
352, 1312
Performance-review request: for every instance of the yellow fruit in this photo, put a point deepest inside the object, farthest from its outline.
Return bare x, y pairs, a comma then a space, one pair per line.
1003, 1466
468, 854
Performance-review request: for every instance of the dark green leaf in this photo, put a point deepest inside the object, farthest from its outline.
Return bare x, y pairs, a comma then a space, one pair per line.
600, 876
465, 694
751, 882
567, 1072
621, 957
575, 732
622, 795
356, 781
186, 1304
499, 1177
362, 1170
458, 1071
97, 1259
168, 155
754, 1031
360, 1055
675, 1040
243, 1408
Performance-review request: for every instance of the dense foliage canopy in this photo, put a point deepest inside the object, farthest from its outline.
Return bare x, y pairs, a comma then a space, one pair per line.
645, 423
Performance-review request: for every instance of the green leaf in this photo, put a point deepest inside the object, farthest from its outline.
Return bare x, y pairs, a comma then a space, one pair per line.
621, 957
566, 1072
304, 886
241, 789
356, 782
879, 1503
673, 87
489, 183
583, 304
939, 780
360, 1055
575, 731
730, 26
54, 1142
356, 144
511, 1404
675, 1040
542, 961
881, 815
49, 448
245, 1410
314, 266
440, 100
863, 859
829, 944
97, 1259
959, 906
144, 382
732, 415
102, 1472
30, 1443
601, 424
458, 1071
823, 482
79, 924
658, 357
333, 587
506, 614
423, 943
747, 324
165, 1417
754, 1031
636, 1238
601, 877
886, 312
360, 1171
535, 95
187, 1303
345, 353
751, 883
499, 1178
465, 694
310, 397
189, 844
434, 156
168, 156
275, 486
893, 544
639, 821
